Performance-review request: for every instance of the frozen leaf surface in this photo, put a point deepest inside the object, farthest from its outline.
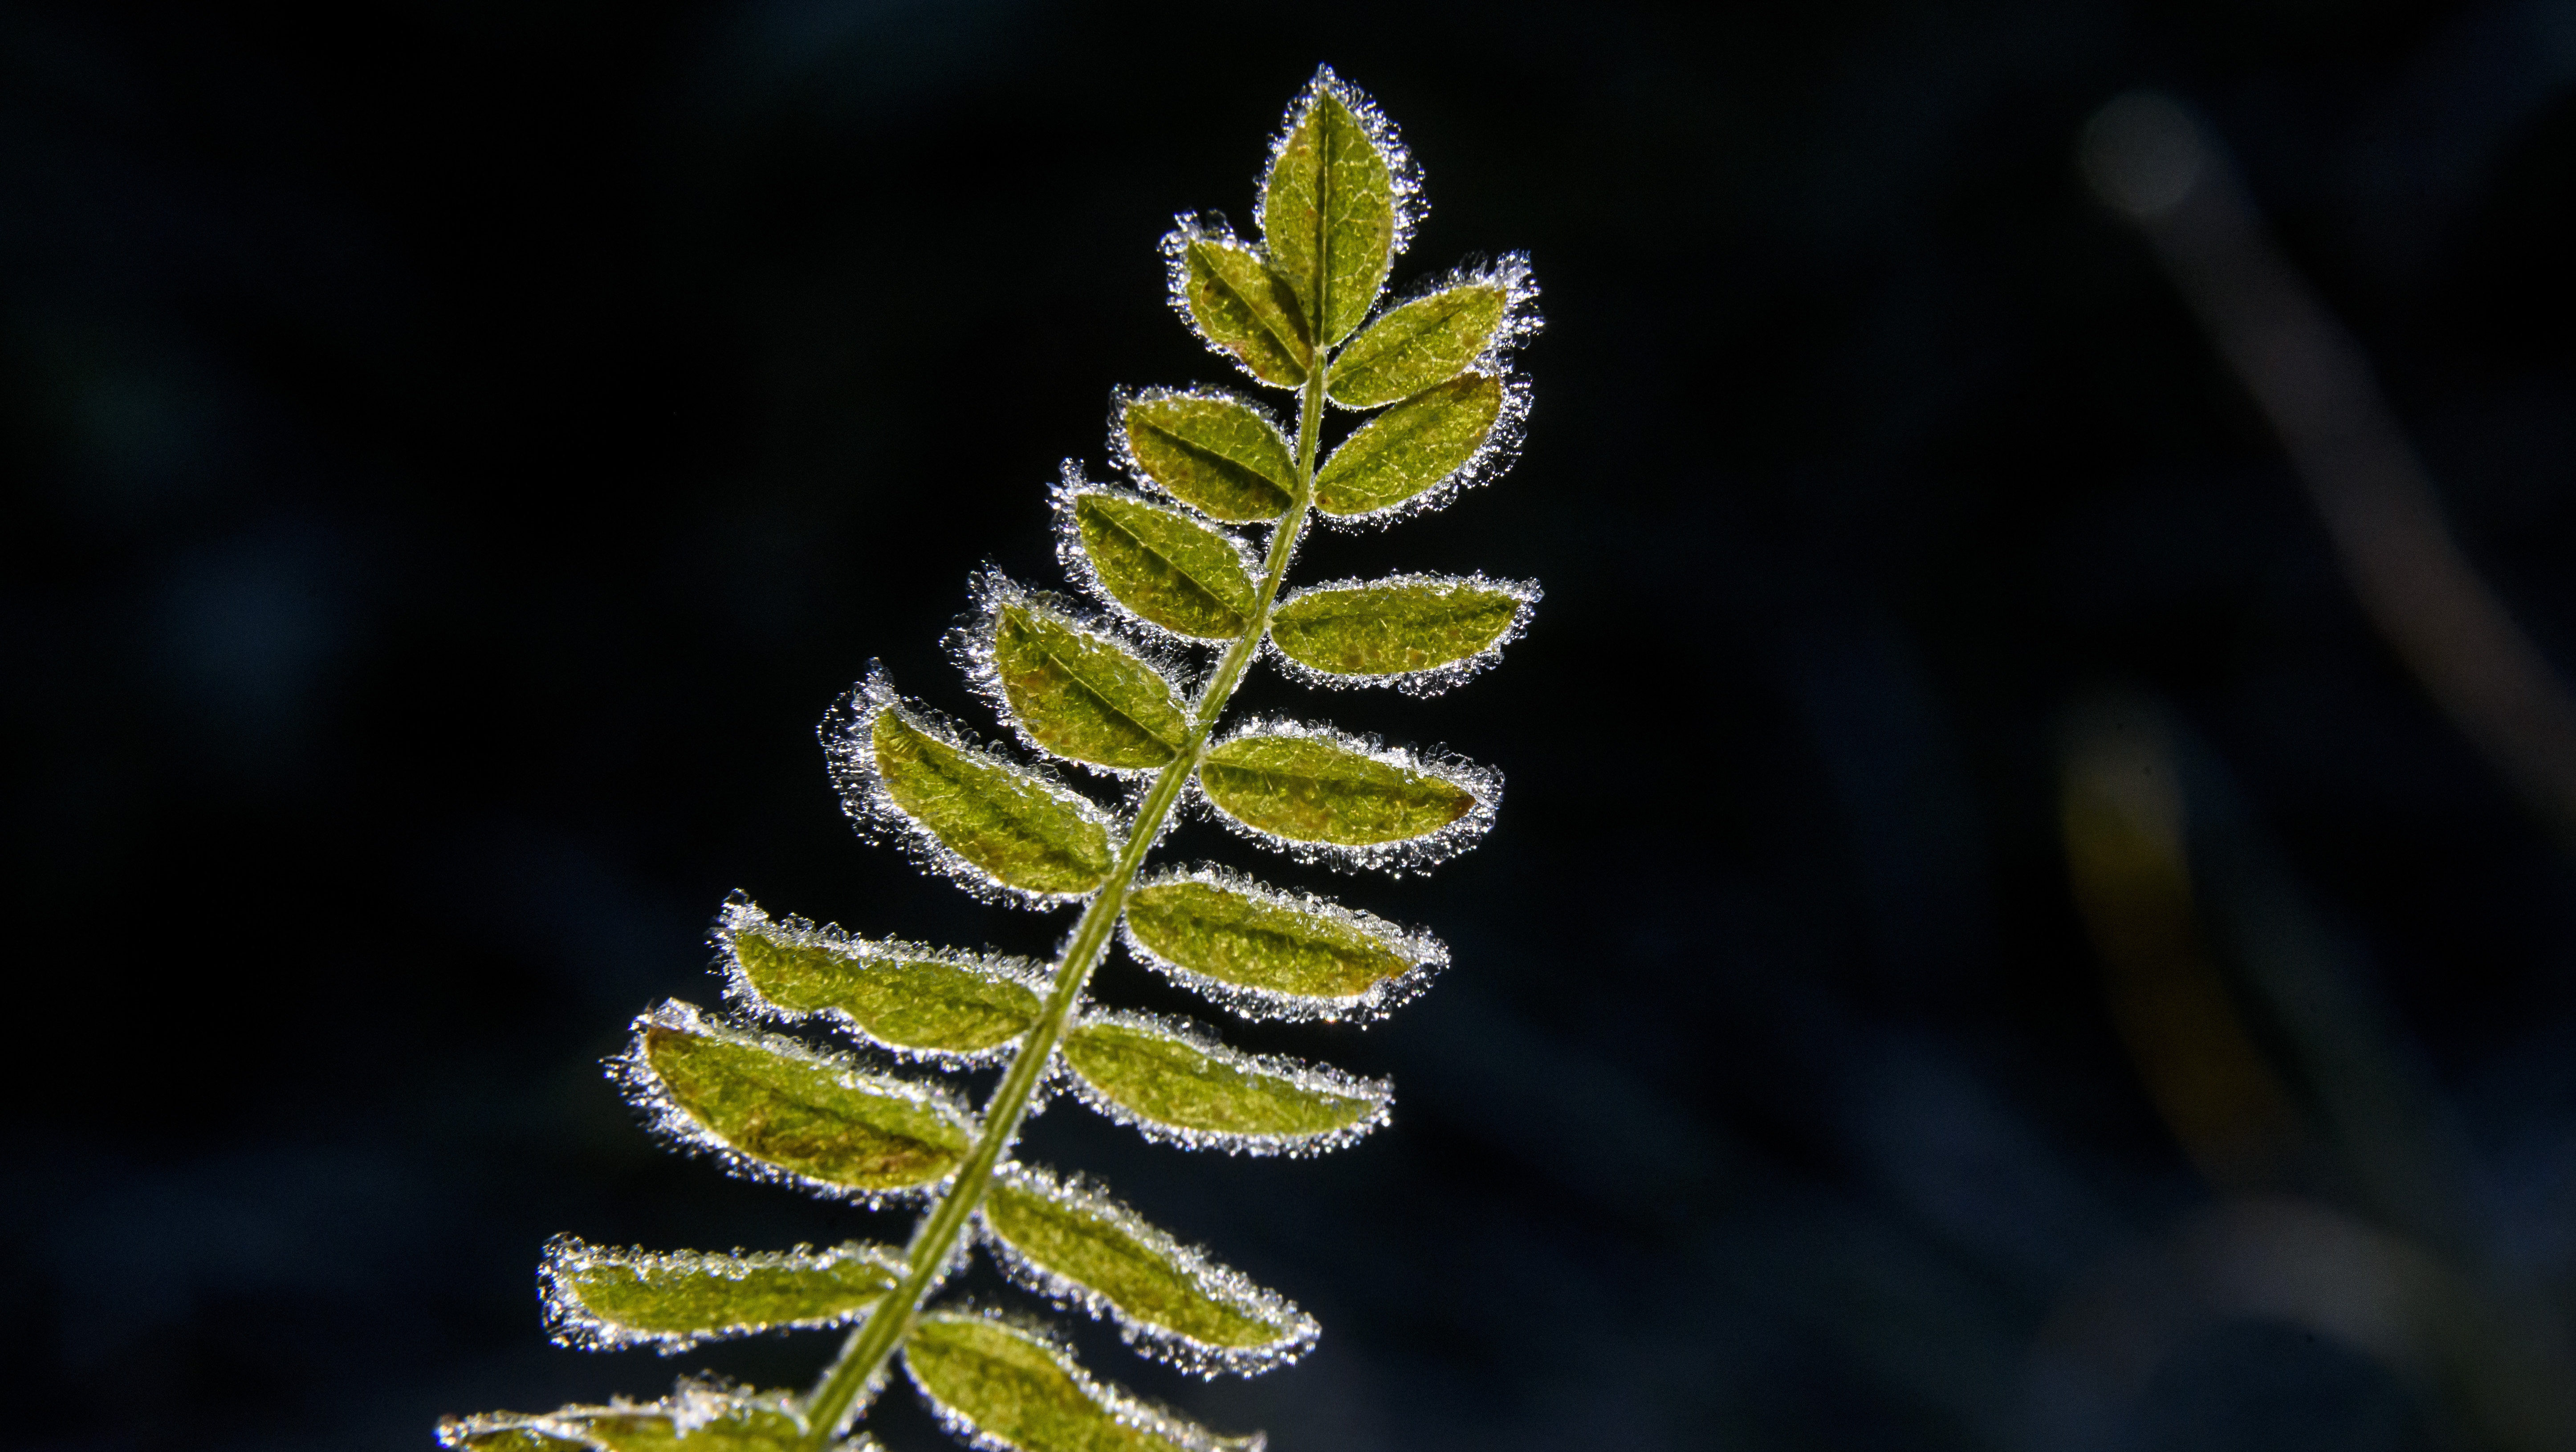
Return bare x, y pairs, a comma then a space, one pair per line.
1072, 1242
1410, 448
918, 1001
1416, 630
1020, 830
774, 1109
1178, 1085
1216, 454
1268, 954
1082, 695
1002, 1386
699, 1417
1166, 569
1237, 304
1328, 210
1428, 340
603, 1299
1314, 789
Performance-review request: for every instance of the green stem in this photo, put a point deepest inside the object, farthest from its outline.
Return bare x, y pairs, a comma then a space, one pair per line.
935, 1240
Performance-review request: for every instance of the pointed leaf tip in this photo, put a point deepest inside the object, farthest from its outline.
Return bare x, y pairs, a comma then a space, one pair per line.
603, 1299
1070, 1241
1164, 569
1174, 1083
1217, 454
919, 1002
1004, 1387
770, 1108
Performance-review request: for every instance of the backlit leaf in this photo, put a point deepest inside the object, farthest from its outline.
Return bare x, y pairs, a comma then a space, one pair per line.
1411, 447
1001, 1385
1166, 569
1214, 453
1080, 694
1269, 954
772, 1109
1310, 787
920, 1002
699, 1417
1328, 210
602, 1299
1072, 1242
1176, 1084
988, 822
1428, 340
1421, 632
1237, 304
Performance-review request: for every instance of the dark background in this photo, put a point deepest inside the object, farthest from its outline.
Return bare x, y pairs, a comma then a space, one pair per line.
455, 453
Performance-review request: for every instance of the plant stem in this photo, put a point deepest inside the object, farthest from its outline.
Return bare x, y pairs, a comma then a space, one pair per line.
935, 1240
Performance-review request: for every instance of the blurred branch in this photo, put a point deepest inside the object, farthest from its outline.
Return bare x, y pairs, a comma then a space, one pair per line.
2412, 1285
2150, 159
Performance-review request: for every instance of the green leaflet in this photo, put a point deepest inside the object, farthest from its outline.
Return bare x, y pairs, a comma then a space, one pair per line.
895, 995
1394, 627
698, 1418
1328, 216
1243, 308
1171, 571
1429, 340
1215, 454
1261, 942
1311, 790
1084, 696
767, 1103
518, 1439
1410, 447
1020, 1391
1082, 1244
605, 1299
1022, 832
1198, 1094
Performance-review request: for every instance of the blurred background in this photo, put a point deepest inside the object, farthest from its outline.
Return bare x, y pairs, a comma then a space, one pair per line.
1987, 945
